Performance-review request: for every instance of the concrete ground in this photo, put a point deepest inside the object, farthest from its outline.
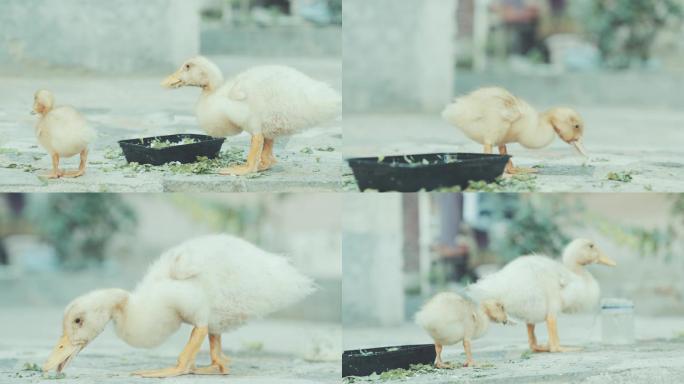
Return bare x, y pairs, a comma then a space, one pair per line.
645, 143
266, 351
502, 354
136, 106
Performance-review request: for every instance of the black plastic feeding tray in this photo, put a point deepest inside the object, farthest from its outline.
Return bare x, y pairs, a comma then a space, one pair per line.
364, 362
140, 151
412, 173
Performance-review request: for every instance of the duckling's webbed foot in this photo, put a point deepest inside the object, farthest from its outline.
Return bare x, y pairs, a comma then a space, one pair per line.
55, 174
219, 362
554, 340
213, 369
539, 348
510, 168
253, 159
81, 168
166, 372
186, 360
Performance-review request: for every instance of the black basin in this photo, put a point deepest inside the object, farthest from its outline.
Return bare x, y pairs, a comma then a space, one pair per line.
139, 150
364, 362
413, 173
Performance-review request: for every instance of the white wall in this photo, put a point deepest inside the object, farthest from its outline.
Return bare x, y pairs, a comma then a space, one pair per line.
372, 288
113, 36
398, 55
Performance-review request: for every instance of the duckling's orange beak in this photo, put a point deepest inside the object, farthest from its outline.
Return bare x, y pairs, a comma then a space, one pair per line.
580, 147
605, 260
173, 81
62, 354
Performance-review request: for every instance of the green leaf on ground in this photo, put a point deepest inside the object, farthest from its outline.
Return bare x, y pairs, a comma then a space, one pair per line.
31, 367
624, 176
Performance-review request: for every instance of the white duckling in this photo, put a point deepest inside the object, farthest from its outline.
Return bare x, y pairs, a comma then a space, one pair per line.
537, 288
63, 132
450, 318
494, 117
267, 101
215, 283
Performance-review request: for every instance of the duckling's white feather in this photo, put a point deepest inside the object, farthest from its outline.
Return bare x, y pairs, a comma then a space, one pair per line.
272, 100
529, 287
493, 116
450, 318
219, 281
64, 131
238, 278
532, 287
284, 100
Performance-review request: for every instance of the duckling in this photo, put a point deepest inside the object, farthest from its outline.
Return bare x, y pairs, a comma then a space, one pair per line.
494, 117
269, 102
450, 318
63, 132
215, 283
537, 288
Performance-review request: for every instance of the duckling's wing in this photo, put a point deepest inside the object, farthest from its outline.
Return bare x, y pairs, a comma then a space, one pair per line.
528, 287
285, 100
509, 107
181, 262
182, 266
484, 115
579, 293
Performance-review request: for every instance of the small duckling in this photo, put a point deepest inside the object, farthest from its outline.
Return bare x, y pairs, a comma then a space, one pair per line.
494, 117
63, 132
450, 318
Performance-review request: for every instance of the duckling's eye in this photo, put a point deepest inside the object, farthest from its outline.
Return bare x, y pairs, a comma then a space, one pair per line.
591, 245
577, 126
187, 67
77, 320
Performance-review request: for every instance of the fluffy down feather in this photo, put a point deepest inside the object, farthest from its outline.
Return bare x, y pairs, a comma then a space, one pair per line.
450, 318
493, 116
220, 281
285, 100
530, 287
273, 100
64, 131
239, 280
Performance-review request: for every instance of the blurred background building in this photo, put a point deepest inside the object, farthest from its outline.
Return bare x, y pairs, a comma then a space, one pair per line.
398, 250
128, 36
56, 247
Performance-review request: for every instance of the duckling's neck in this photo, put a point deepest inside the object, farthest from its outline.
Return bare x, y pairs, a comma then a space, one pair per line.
215, 80
539, 133
575, 267
481, 321
42, 112
145, 321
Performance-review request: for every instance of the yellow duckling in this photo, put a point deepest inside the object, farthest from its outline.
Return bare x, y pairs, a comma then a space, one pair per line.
494, 117
450, 318
63, 132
